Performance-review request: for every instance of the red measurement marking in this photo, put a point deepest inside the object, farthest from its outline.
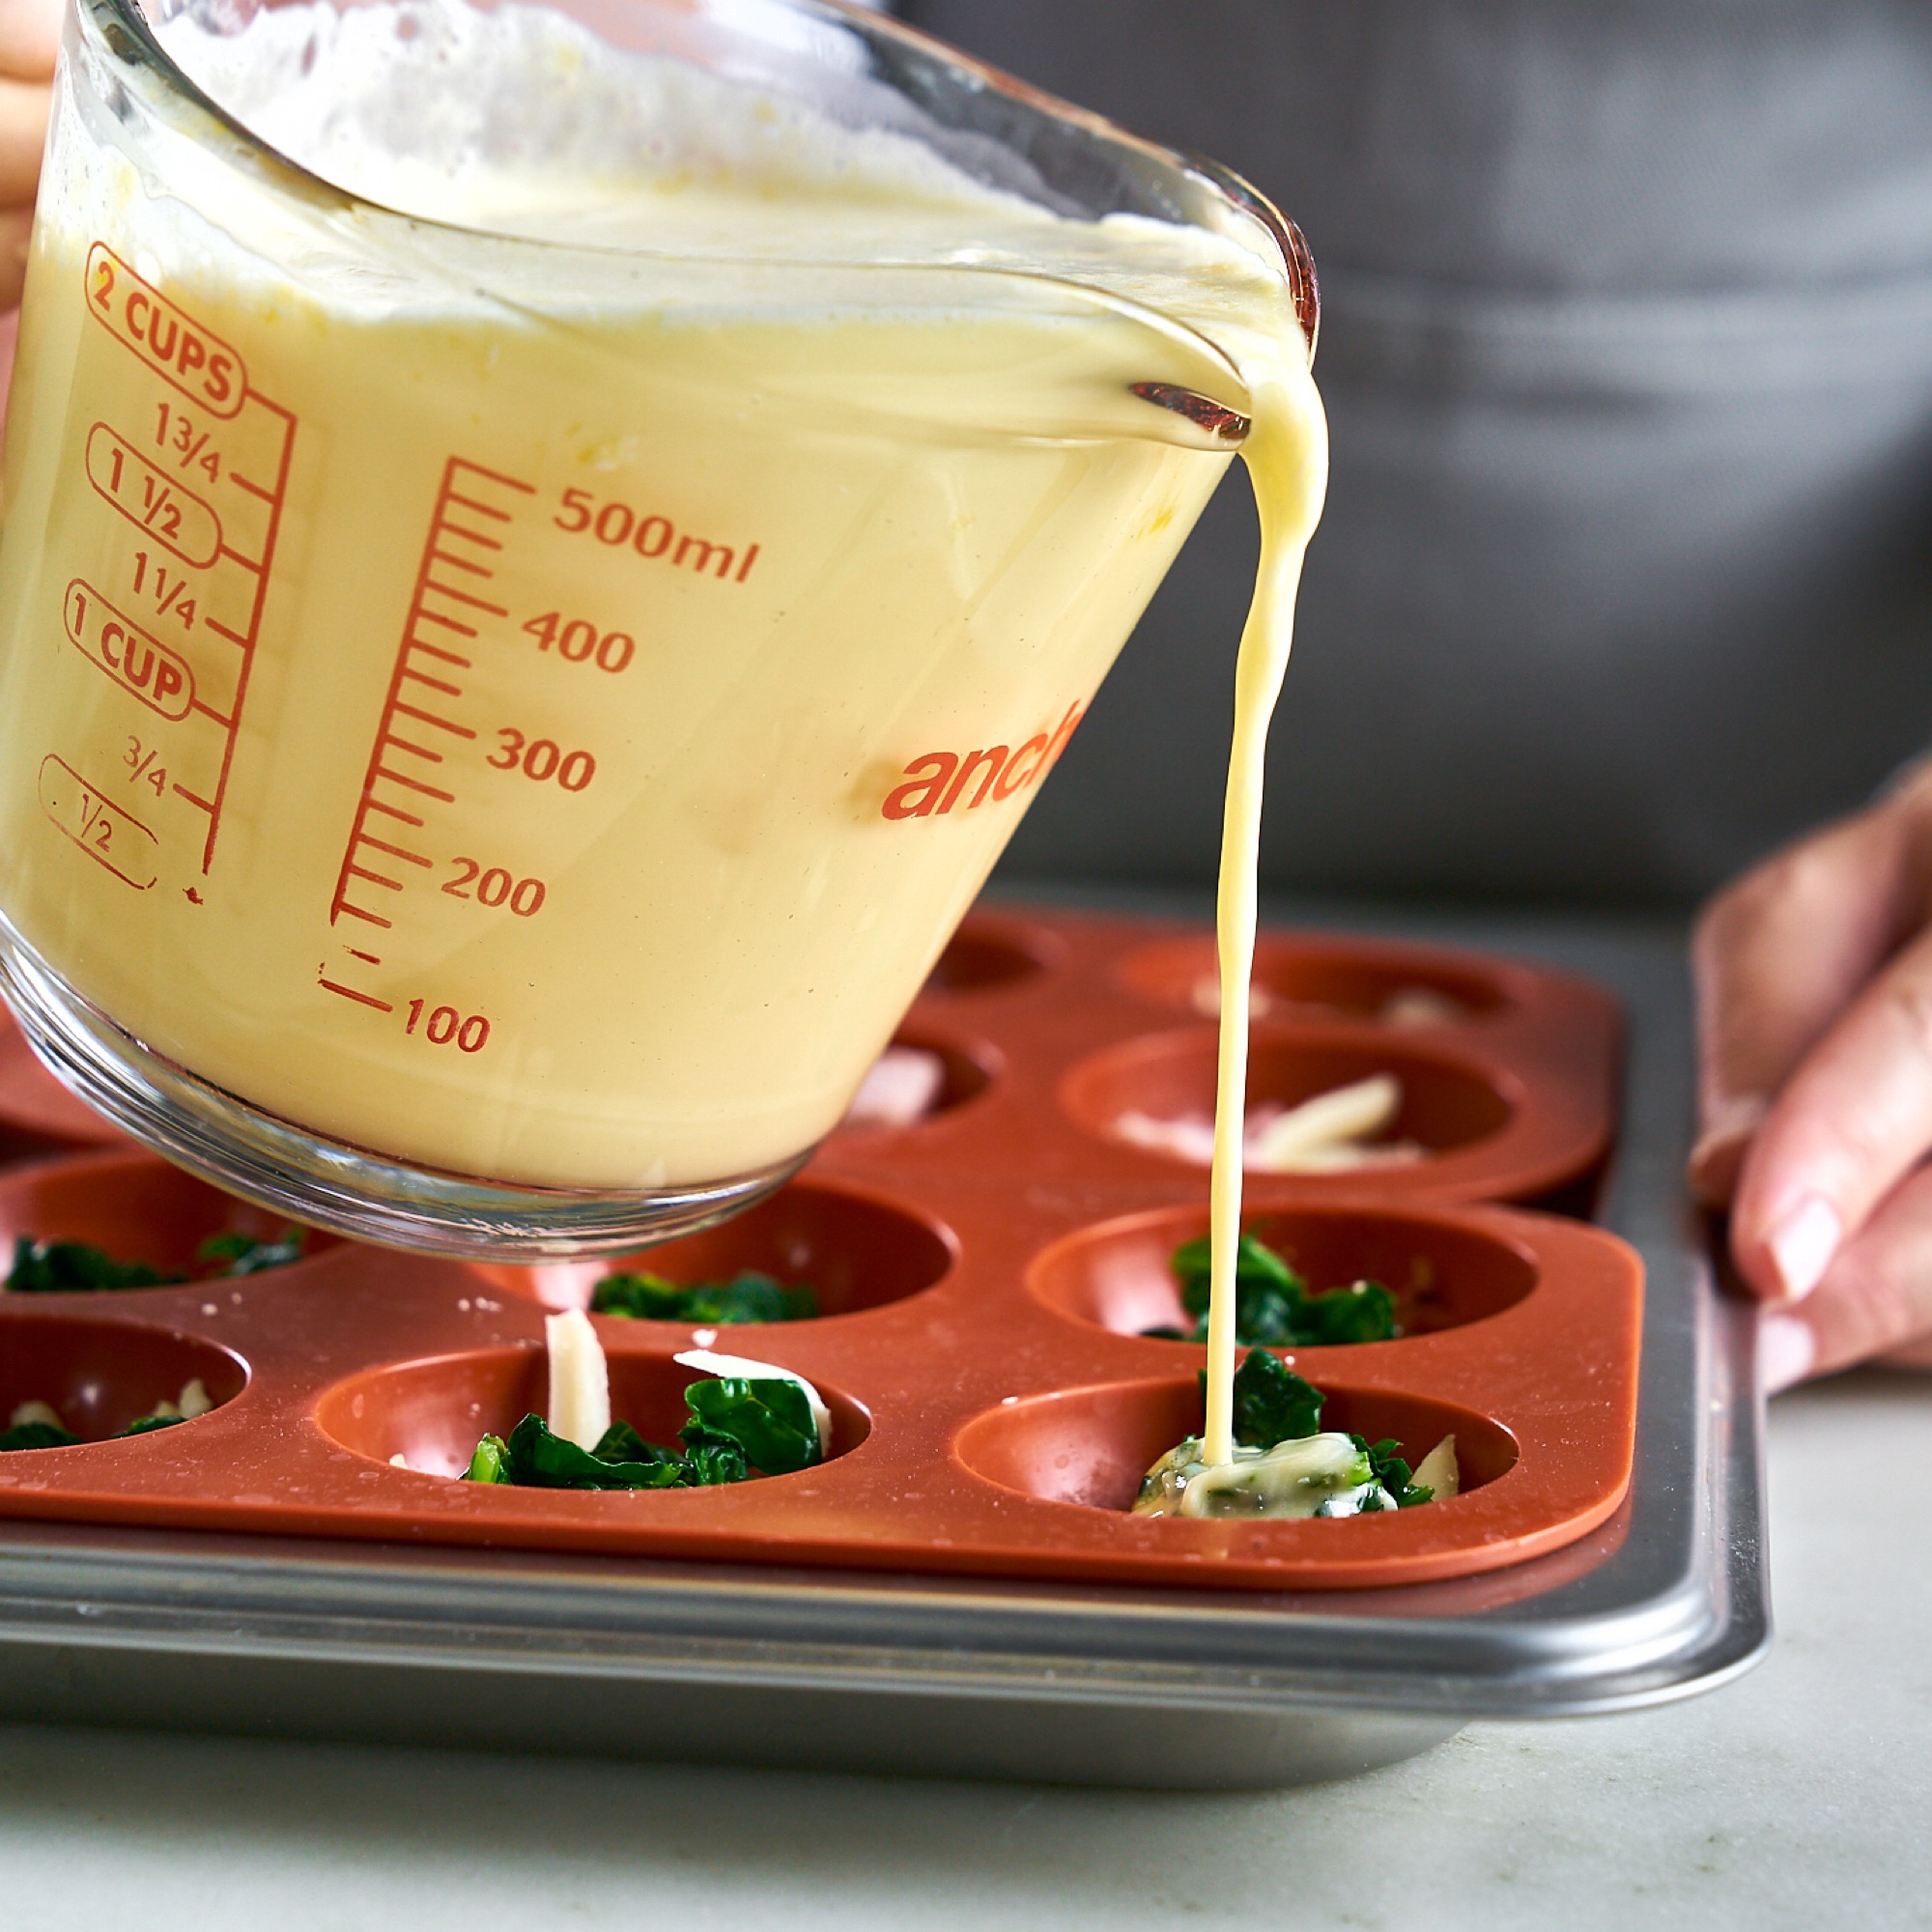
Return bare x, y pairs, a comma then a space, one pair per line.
463, 597
394, 851
162, 679
408, 817
414, 784
469, 487
484, 509
430, 717
169, 340
417, 750
362, 999
109, 836
154, 502
191, 358
276, 497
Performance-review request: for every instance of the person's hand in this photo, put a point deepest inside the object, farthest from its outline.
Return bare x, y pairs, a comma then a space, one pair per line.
1815, 997
29, 36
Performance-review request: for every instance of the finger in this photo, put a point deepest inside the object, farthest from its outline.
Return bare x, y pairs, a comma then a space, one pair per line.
1777, 957
23, 133
1876, 1297
1914, 1355
1851, 1123
30, 33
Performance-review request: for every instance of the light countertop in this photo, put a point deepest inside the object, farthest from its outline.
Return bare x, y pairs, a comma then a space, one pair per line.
1796, 1796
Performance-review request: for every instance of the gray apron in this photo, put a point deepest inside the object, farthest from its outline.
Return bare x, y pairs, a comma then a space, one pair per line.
1627, 347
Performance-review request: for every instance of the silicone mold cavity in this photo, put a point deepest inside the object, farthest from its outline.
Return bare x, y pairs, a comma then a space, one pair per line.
1092, 1447
134, 1207
1447, 1102
433, 1412
971, 1068
989, 952
860, 1250
1303, 978
1444, 1268
101, 1375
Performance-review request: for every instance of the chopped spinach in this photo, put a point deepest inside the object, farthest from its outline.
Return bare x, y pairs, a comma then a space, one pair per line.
734, 1426
491, 1462
1393, 1473
748, 1297
768, 1421
143, 1424
35, 1436
1273, 1307
1272, 1404
536, 1458
249, 1254
51, 1436
56, 1267
67, 1267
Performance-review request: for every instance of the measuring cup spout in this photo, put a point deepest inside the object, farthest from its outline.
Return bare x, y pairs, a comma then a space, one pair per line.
1225, 425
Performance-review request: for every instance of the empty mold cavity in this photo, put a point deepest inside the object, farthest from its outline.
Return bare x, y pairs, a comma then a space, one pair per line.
965, 1073
133, 1207
1317, 980
98, 1376
1442, 1271
432, 1413
1447, 1102
854, 1249
1092, 1445
990, 952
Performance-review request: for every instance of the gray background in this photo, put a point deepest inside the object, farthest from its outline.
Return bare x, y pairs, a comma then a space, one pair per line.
1627, 346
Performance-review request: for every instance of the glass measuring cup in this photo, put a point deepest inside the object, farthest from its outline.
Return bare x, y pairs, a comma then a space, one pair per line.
501, 712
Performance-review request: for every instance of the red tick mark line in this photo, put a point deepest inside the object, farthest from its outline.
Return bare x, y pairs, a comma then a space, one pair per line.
464, 597
362, 999
275, 497
470, 536
430, 717
480, 494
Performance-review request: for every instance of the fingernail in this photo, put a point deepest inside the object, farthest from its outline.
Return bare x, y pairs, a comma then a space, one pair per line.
1802, 1246
1787, 1351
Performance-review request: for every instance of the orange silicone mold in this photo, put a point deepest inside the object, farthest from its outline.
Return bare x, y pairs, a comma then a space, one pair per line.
37, 1114
985, 1277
